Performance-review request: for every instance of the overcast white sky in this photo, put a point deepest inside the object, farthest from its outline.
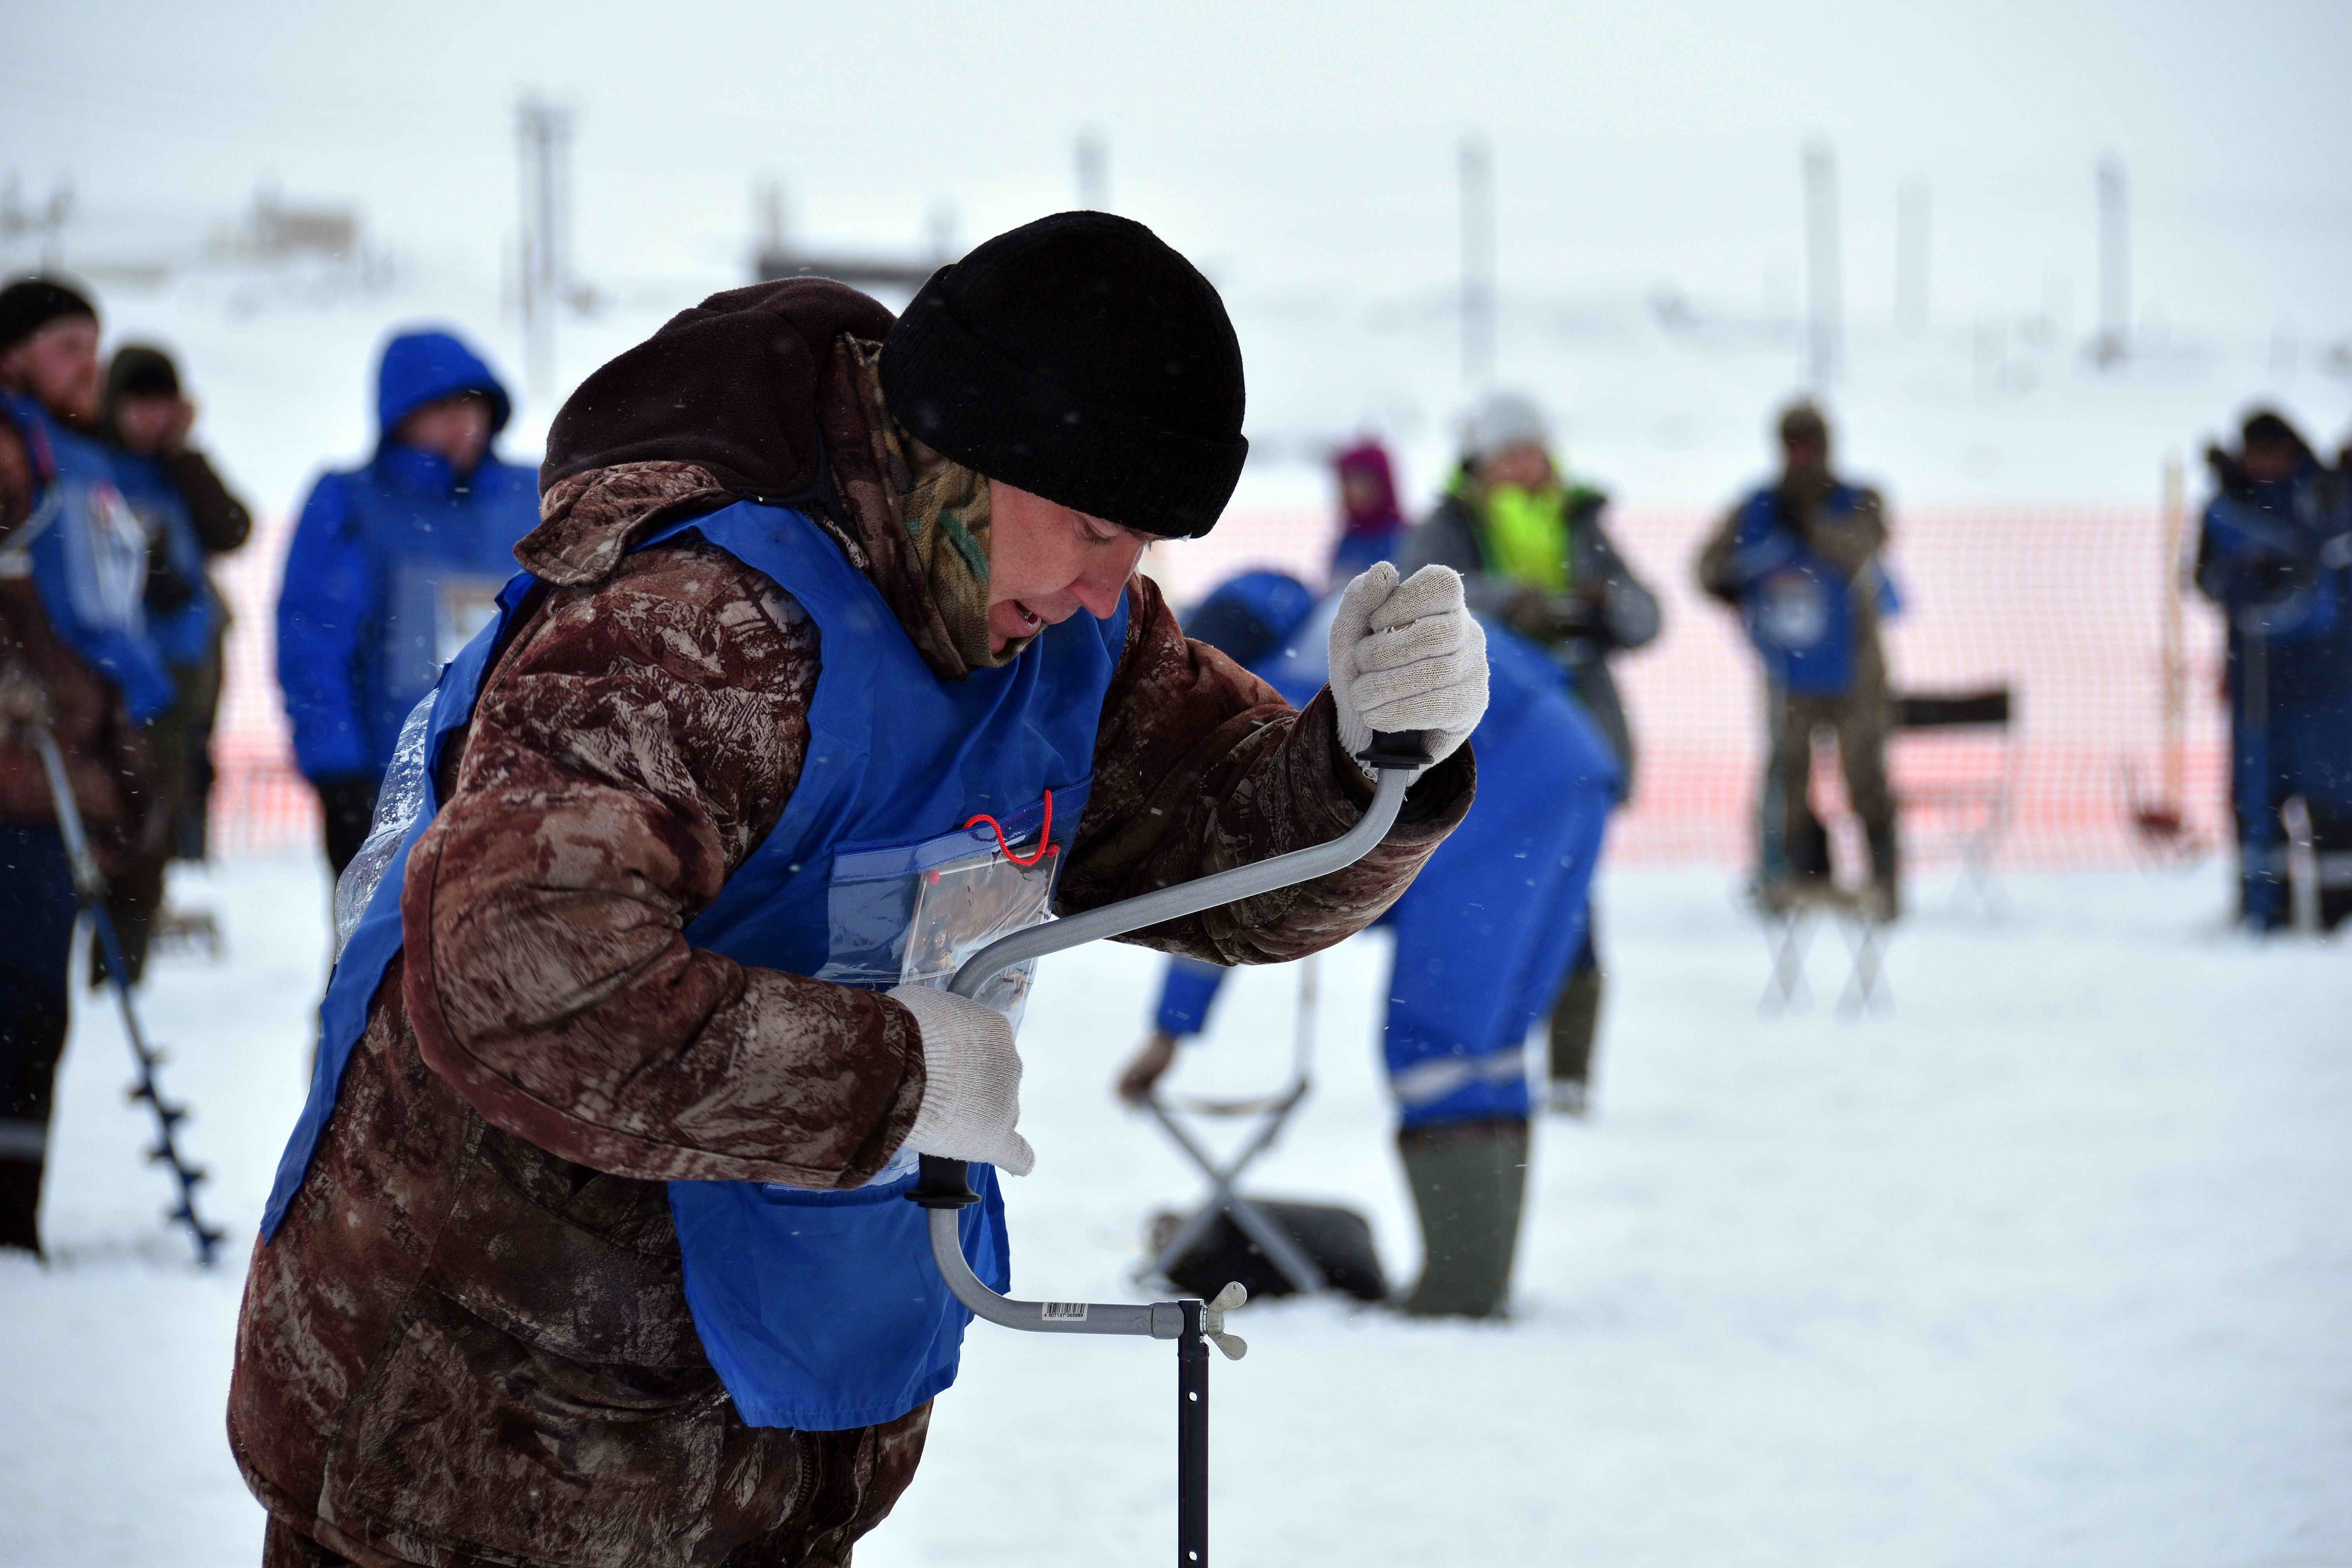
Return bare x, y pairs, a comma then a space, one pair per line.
1286, 145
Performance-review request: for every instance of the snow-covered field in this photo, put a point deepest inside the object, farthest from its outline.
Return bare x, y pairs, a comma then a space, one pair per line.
2049, 1264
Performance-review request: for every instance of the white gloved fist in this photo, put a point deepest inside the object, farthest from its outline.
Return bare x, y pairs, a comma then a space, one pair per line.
972, 1088
1408, 656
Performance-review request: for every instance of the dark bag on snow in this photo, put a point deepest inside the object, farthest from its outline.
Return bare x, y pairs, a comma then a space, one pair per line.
1338, 1240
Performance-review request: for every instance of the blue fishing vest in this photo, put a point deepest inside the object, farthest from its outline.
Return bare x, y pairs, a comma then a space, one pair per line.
1798, 609
182, 635
819, 1310
87, 557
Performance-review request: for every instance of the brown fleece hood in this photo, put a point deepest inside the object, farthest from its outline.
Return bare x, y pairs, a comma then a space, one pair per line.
731, 386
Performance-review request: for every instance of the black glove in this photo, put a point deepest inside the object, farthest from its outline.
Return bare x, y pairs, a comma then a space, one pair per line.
349, 802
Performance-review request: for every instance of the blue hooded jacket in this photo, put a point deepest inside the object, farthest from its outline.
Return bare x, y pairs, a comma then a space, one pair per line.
394, 566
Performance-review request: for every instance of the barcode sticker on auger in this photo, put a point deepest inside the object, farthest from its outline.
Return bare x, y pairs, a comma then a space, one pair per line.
1062, 1312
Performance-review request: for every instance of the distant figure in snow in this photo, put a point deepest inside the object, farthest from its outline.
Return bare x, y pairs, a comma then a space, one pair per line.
394, 567
2276, 553
1799, 559
1484, 937
1530, 543
1372, 528
191, 516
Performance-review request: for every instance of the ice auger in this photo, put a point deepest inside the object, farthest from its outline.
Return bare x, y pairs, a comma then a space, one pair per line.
89, 887
943, 1188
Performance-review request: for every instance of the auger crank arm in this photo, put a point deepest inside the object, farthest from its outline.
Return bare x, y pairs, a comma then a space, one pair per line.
943, 1187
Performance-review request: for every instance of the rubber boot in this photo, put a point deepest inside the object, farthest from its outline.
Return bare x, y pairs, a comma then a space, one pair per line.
1575, 1017
20, 1201
1468, 1181
1885, 874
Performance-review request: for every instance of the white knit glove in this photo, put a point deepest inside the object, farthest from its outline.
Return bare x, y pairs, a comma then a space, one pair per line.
1407, 655
972, 1088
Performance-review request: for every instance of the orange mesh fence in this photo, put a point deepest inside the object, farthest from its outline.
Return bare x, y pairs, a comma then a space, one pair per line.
2067, 607
260, 804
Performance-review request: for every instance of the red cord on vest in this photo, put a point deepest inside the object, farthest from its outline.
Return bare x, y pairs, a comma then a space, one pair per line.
1044, 834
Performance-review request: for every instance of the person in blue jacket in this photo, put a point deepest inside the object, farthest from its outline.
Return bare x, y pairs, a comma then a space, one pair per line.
1799, 559
77, 671
394, 567
1484, 936
2276, 553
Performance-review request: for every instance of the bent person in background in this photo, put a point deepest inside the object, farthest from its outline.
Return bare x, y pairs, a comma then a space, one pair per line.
2276, 553
74, 661
394, 566
1530, 543
1799, 559
1485, 938
829, 662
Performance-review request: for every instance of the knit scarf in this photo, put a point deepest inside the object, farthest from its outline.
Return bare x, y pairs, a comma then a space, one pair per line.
922, 520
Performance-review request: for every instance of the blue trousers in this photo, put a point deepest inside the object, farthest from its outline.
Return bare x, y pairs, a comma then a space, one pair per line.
2291, 734
38, 909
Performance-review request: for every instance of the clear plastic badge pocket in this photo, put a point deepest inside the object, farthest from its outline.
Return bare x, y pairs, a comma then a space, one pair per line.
909, 915
965, 905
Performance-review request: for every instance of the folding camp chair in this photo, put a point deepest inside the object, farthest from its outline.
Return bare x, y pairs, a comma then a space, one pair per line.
1296, 1240
1791, 923
1944, 776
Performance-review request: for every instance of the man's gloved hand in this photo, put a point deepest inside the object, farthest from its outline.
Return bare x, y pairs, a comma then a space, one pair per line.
1147, 1067
1408, 656
971, 1089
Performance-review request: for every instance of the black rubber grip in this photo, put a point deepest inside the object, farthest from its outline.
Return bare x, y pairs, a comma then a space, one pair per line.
1396, 749
942, 1184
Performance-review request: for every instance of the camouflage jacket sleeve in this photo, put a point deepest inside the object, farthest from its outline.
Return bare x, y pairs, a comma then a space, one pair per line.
1200, 766
633, 745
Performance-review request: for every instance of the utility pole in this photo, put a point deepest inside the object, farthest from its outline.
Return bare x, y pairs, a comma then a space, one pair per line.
543, 138
2114, 341
1824, 327
1094, 172
1911, 258
1478, 248
49, 220
944, 222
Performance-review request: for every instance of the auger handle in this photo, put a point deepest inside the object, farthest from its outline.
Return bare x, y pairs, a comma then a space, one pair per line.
944, 1186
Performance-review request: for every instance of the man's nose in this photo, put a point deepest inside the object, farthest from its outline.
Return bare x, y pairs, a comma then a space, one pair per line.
1102, 585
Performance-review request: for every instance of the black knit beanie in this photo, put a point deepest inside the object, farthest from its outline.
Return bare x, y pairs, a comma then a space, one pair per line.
1080, 359
31, 303
140, 370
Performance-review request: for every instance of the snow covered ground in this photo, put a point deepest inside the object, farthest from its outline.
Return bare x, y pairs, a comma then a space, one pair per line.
2049, 1264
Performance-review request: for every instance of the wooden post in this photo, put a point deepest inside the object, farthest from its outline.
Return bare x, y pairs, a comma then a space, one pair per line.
2175, 652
